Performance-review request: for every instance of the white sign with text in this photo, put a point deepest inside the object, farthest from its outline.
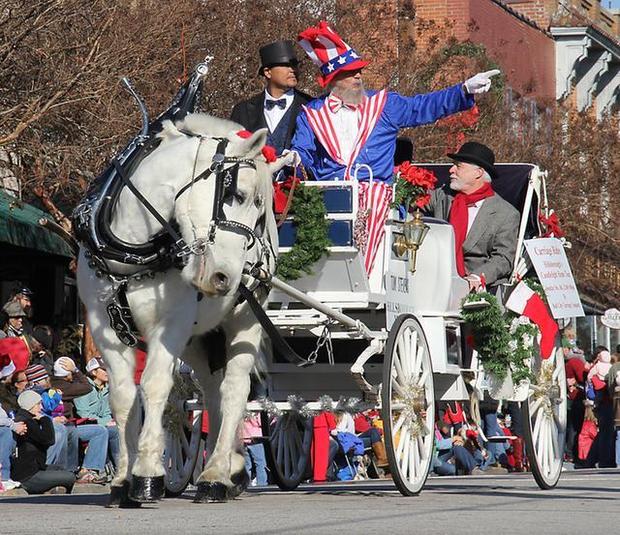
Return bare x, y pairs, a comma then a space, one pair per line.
556, 277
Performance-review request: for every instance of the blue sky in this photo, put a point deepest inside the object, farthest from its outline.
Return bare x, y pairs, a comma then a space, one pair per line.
614, 3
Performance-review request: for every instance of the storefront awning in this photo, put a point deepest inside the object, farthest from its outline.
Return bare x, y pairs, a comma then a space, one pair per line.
19, 225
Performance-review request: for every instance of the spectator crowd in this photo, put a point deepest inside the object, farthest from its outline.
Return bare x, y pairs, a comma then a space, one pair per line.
56, 427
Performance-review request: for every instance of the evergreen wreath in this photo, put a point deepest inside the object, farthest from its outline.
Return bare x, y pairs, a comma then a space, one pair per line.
311, 243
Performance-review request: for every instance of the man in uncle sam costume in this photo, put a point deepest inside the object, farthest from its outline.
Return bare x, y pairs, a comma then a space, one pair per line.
348, 131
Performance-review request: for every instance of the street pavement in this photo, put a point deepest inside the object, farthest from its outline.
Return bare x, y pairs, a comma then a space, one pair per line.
585, 502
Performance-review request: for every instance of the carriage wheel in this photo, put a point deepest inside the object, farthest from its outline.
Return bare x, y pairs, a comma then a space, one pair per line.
183, 445
544, 418
287, 445
408, 405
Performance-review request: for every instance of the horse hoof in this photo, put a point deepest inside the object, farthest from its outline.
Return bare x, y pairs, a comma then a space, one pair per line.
146, 489
211, 492
119, 498
241, 481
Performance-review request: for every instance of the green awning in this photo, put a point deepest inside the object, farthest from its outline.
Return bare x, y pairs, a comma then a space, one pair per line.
19, 225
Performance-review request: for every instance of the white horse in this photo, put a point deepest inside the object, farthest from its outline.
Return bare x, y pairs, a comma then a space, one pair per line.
169, 310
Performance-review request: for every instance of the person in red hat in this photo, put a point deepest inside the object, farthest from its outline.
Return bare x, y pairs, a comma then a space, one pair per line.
351, 132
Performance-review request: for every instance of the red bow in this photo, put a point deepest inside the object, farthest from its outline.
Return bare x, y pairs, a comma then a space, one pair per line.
280, 194
552, 224
335, 104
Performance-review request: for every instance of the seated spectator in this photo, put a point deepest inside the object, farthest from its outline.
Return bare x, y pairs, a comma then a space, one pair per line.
455, 454
96, 404
70, 380
251, 433
7, 427
371, 436
29, 466
53, 408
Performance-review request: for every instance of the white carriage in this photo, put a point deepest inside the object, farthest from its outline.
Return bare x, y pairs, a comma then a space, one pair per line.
399, 344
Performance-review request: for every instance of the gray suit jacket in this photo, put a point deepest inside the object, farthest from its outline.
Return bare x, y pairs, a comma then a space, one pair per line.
491, 242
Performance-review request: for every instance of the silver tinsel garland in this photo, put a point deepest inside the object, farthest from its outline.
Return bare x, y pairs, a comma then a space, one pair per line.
326, 404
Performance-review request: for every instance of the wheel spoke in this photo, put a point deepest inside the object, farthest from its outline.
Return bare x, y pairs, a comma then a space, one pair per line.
399, 423
423, 377
405, 457
401, 353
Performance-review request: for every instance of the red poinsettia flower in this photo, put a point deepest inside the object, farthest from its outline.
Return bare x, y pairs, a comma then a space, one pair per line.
423, 200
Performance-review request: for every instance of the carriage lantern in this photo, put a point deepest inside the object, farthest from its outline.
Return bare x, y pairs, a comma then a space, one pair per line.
414, 232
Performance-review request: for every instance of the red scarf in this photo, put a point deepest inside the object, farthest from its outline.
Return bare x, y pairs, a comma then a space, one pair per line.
458, 219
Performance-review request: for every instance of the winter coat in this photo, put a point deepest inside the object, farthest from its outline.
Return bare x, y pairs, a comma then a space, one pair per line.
31, 449
350, 443
8, 397
589, 431
95, 405
78, 386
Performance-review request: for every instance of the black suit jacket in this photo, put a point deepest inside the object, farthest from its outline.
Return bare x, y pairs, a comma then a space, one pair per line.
249, 113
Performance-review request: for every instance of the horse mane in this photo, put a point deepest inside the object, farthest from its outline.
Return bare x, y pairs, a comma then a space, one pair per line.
203, 123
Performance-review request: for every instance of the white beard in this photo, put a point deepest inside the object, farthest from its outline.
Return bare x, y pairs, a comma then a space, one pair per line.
353, 97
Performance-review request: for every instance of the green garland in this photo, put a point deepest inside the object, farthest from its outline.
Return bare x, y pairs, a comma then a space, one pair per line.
503, 341
309, 216
490, 334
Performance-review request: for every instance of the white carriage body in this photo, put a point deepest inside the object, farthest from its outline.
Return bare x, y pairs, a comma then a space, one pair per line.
432, 294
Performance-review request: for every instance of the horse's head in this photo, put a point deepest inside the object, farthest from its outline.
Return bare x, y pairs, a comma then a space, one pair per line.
227, 215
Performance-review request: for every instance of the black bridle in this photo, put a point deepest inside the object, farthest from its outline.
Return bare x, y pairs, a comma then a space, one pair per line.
225, 188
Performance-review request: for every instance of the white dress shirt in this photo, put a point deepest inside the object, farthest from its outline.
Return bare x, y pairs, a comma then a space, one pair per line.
346, 126
275, 114
472, 212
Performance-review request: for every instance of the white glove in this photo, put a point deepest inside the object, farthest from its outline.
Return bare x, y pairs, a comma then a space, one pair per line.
480, 83
296, 159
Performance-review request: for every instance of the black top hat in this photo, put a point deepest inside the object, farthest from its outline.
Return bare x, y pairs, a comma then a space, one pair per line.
277, 53
478, 154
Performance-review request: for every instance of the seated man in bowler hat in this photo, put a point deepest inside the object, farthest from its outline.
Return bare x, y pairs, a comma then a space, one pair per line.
277, 107
485, 225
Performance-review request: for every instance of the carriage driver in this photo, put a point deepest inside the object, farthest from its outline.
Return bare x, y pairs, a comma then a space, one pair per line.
276, 108
485, 225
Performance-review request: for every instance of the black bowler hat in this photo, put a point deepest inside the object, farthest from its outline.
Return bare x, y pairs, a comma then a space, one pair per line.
277, 53
478, 154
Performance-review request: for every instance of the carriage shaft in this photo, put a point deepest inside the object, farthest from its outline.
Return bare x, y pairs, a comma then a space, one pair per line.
341, 318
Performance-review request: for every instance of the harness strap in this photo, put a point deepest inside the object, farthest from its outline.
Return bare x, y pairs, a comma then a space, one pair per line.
167, 226
278, 341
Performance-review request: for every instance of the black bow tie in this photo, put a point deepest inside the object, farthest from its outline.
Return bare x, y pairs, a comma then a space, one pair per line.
270, 104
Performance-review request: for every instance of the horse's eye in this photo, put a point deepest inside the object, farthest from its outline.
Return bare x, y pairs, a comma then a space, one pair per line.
240, 197
258, 201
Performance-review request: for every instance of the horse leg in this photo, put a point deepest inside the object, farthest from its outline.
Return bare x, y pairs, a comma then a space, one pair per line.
125, 405
147, 473
209, 376
225, 476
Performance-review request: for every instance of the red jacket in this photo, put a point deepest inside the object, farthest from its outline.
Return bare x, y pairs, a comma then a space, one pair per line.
586, 438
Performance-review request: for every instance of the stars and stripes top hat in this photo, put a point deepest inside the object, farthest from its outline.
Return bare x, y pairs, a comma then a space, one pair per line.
329, 52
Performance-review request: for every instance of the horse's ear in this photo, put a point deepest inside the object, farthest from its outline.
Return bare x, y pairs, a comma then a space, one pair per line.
251, 147
290, 158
